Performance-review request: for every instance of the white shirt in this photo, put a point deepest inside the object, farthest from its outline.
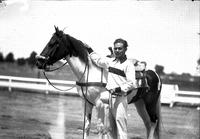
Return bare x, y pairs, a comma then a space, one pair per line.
127, 82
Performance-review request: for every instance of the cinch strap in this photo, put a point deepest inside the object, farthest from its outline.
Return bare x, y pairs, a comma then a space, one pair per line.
91, 84
117, 71
100, 84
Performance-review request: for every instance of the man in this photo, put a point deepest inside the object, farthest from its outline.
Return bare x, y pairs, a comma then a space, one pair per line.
121, 79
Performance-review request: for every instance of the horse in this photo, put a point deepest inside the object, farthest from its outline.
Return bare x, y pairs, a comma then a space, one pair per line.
91, 81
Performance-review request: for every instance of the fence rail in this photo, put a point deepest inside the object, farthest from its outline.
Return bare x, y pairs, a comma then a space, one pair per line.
170, 94
37, 84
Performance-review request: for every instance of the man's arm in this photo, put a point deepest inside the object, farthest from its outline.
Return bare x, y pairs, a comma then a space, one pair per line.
97, 59
130, 79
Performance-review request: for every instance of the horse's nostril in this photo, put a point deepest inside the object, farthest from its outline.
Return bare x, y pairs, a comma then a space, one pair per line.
38, 65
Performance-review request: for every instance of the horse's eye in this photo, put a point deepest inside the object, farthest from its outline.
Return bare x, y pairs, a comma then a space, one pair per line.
52, 43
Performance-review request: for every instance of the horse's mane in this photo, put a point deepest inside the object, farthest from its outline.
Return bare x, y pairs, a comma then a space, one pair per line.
77, 48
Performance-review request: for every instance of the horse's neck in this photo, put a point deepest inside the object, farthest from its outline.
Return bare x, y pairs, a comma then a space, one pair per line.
80, 70
77, 66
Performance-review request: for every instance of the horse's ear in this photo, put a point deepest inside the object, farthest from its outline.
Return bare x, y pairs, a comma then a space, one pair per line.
56, 28
64, 29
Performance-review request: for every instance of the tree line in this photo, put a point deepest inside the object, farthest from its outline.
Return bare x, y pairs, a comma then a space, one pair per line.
9, 58
31, 61
185, 80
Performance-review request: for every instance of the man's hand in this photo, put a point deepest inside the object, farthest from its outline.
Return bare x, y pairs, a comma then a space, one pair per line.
89, 49
112, 91
116, 91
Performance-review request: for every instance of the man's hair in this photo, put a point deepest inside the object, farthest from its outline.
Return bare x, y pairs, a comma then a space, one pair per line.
124, 42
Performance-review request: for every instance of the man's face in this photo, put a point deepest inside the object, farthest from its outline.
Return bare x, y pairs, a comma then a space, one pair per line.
119, 50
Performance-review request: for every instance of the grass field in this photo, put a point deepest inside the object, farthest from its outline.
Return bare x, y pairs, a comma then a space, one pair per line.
26, 115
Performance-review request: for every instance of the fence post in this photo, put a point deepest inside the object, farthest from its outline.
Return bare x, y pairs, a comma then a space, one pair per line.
47, 87
175, 89
10, 85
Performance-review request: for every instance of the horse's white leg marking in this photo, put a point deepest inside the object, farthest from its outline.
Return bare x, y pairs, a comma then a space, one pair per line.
107, 125
100, 108
152, 130
104, 126
141, 109
109, 128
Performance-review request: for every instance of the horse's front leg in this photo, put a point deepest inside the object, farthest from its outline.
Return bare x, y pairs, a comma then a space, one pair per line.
100, 115
87, 117
105, 121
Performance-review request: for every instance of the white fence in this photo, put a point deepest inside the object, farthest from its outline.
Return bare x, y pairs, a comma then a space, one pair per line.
37, 84
169, 94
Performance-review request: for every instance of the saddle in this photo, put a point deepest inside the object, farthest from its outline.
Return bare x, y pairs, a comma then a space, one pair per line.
140, 73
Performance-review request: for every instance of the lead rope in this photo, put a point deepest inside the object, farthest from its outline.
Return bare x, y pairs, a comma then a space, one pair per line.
85, 102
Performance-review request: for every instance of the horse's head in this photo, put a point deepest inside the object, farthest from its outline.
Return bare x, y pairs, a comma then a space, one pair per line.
54, 50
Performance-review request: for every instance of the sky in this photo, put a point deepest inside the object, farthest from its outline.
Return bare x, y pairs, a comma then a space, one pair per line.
162, 32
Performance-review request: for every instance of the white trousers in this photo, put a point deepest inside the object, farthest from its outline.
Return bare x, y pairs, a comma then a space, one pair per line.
117, 116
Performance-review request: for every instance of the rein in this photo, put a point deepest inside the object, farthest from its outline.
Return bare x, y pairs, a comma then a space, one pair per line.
81, 84
57, 69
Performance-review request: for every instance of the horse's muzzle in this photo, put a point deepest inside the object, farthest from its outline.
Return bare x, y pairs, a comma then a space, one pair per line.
41, 62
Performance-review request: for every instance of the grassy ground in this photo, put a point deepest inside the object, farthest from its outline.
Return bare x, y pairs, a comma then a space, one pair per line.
39, 116
31, 115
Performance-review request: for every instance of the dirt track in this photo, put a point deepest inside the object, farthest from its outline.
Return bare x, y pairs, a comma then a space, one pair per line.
39, 116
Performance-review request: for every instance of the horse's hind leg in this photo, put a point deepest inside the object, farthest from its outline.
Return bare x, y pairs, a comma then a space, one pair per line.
155, 125
158, 113
141, 109
153, 110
